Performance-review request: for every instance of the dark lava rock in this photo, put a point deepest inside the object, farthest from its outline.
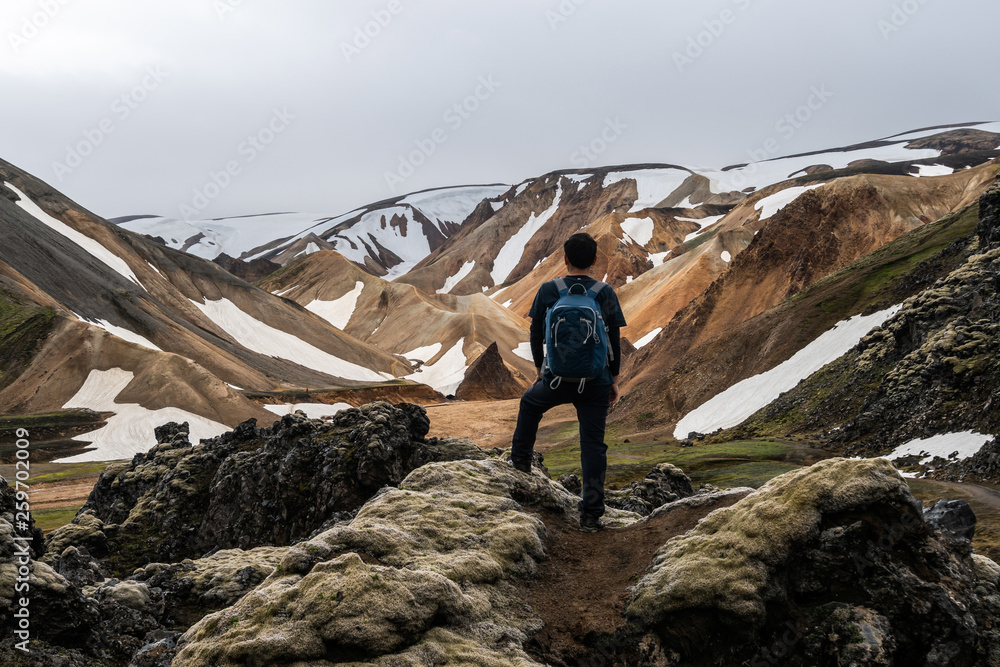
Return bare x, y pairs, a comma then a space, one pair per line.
664, 484
254, 486
954, 519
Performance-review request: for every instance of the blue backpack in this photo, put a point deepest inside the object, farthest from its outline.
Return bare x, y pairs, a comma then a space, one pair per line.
576, 338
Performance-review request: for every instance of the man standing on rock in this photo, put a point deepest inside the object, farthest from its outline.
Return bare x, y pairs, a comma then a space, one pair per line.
592, 392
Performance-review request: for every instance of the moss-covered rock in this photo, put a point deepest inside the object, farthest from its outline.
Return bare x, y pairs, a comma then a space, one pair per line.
422, 572
761, 576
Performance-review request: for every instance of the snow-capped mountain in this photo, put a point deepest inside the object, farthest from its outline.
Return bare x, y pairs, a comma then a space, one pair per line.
388, 238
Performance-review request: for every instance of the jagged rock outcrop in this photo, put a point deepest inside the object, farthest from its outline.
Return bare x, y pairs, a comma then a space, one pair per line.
828, 565
489, 379
251, 486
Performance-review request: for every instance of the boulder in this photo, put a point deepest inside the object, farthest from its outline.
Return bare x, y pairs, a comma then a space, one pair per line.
664, 484
827, 565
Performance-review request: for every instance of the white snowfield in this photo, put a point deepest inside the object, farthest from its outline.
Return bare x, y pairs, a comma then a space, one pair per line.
233, 236
768, 206
422, 354
445, 374
312, 410
640, 230
120, 332
703, 224
925, 170
653, 185
454, 280
453, 204
509, 256
255, 335
759, 175
89, 245
339, 311
648, 338
736, 404
726, 256
130, 430
963, 445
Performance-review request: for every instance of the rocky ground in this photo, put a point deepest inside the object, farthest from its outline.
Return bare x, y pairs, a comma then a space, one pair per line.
455, 558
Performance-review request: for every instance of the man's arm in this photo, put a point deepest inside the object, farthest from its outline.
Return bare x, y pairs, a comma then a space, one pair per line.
615, 341
537, 338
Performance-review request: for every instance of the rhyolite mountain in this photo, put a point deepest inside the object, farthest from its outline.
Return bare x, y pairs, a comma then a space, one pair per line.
419, 287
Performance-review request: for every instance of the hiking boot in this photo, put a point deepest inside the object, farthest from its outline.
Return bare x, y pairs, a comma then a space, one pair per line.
523, 467
590, 523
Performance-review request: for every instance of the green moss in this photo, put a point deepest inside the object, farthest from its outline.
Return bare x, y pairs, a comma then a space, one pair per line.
22, 329
50, 519
72, 471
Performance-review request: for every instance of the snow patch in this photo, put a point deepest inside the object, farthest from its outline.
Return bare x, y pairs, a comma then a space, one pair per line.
130, 430
255, 335
768, 206
120, 332
452, 204
454, 280
964, 445
736, 404
648, 338
726, 257
92, 247
524, 351
509, 256
927, 170
640, 230
422, 354
446, 373
703, 224
659, 258
652, 185
339, 311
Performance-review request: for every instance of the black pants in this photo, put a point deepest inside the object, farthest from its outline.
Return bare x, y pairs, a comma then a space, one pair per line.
591, 410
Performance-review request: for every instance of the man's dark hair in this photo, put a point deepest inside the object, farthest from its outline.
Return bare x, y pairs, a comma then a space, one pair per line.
581, 250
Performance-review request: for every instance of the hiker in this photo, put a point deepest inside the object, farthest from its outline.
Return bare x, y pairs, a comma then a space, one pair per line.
560, 376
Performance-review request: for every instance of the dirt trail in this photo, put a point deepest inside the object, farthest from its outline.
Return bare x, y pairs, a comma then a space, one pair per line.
581, 588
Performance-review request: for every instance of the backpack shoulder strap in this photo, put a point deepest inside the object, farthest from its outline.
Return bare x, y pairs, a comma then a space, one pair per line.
596, 288
561, 286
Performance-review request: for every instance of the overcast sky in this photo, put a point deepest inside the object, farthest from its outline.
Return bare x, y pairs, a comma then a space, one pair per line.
233, 107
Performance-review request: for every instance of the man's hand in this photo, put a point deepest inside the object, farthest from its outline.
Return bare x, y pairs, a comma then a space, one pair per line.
538, 375
616, 393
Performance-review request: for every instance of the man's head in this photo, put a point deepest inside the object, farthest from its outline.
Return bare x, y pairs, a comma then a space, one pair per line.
581, 251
